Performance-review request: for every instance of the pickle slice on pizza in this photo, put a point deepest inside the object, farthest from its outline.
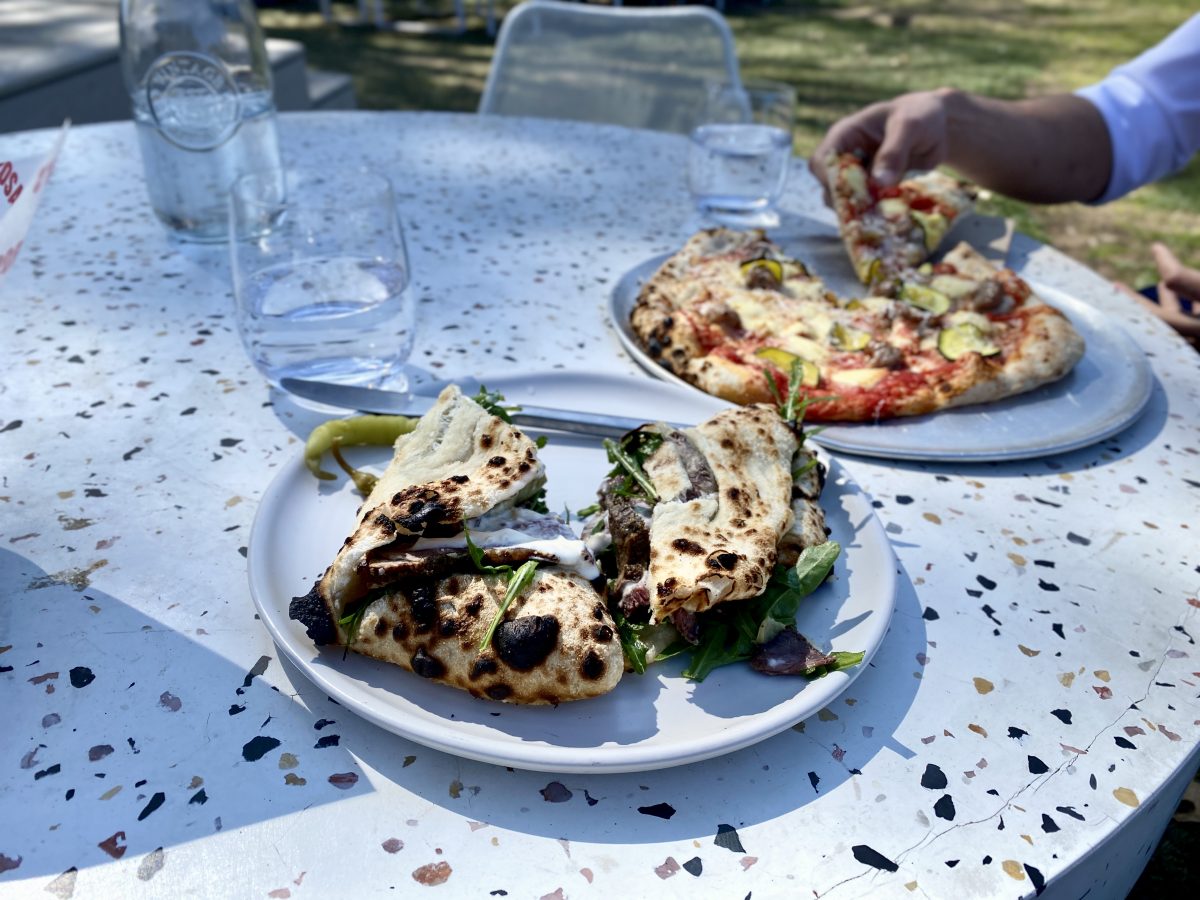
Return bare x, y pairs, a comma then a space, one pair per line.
457, 573
889, 231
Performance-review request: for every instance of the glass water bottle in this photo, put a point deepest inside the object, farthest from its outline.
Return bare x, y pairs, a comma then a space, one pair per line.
200, 82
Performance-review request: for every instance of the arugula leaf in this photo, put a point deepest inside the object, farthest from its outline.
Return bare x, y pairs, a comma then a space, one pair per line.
675, 648
476, 555
540, 441
633, 467
844, 660
536, 501
588, 511
493, 402
631, 643
350, 623
799, 473
716, 650
811, 569
795, 377
517, 583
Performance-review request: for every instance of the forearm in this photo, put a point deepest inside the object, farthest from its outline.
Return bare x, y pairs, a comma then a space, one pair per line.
1045, 150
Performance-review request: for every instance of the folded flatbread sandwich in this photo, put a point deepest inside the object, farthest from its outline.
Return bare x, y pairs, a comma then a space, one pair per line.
439, 546
693, 521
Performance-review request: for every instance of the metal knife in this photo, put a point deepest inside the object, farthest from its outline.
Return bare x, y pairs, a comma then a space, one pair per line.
992, 236
375, 400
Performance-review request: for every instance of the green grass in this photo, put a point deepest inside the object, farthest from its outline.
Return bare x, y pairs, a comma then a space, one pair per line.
840, 56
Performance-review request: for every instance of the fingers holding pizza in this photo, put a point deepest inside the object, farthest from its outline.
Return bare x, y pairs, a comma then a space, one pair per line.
908, 133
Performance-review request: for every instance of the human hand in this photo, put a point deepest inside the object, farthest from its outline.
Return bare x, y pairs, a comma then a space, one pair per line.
1178, 294
909, 132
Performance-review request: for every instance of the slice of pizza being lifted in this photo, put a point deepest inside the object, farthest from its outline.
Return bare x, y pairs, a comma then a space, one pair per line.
890, 231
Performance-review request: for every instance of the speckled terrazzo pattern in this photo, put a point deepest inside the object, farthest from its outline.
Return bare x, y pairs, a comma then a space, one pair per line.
1034, 705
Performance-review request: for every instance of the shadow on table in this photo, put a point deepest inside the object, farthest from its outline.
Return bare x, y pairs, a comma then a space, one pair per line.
795, 768
124, 736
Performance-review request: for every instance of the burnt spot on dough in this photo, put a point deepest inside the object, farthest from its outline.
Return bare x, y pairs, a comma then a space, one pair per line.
483, 666
400, 632
524, 467
722, 559
381, 627
426, 666
485, 441
311, 612
460, 479
422, 506
666, 588
451, 587
592, 666
474, 605
683, 545
498, 691
602, 633
598, 611
423, 601
497, 461
526, 642
448, 627
386, 525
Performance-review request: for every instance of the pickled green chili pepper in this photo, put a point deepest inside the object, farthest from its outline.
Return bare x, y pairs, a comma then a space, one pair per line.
378, 431
363, 481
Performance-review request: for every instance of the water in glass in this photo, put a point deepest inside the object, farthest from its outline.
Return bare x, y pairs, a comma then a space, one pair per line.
738, 168
321, 275
338, 318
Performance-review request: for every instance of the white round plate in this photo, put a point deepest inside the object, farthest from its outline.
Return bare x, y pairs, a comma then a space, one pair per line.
1105, 392
649, 721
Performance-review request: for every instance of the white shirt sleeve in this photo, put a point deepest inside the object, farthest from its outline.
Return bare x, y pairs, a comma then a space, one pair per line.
1151, 106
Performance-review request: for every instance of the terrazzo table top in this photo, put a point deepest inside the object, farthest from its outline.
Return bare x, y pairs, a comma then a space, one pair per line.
1027, 726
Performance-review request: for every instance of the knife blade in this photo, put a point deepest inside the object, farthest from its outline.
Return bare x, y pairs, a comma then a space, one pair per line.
377, 400
992, 236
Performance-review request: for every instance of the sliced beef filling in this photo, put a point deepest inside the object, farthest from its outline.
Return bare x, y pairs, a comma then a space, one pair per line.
701, 479
388, 568
687, 625
630, 530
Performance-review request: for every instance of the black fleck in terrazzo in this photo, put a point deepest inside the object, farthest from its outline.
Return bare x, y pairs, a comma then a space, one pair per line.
1040, 673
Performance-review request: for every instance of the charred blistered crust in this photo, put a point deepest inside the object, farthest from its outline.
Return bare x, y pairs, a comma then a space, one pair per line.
556, 641
311, 612
417, 507
526, 642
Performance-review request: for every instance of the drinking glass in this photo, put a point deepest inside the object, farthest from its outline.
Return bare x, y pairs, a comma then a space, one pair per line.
320, 275
738, 158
